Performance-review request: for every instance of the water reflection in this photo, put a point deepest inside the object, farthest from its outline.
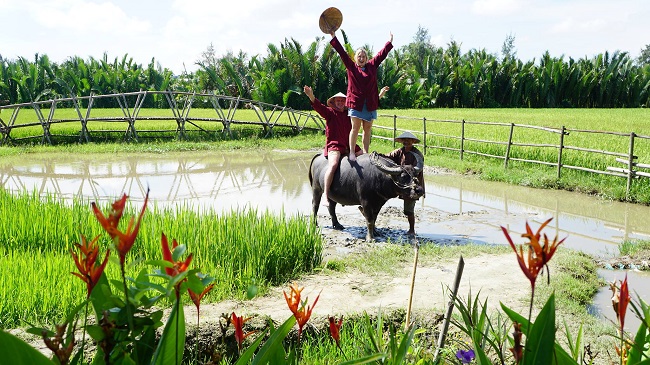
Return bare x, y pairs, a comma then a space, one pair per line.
592, 225
637, 283
222, 181
278, 180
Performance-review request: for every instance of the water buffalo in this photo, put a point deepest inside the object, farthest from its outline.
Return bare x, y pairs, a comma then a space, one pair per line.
369, 182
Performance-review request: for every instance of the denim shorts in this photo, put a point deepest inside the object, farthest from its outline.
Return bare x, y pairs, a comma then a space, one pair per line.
363, 114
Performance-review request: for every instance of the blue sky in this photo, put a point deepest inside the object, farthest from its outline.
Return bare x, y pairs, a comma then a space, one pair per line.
177, 32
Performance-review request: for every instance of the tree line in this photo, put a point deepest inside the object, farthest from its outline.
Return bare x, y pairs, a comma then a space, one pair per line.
420, 75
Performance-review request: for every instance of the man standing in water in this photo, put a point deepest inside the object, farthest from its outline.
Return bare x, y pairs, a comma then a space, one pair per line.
404, 156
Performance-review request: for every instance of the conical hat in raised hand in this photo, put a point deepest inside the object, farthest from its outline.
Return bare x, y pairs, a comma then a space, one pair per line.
330, 20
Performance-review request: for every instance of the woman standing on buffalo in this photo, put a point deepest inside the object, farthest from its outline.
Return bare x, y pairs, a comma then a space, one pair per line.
362, 94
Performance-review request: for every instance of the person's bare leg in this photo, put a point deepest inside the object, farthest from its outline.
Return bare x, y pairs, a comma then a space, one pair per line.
411, 219
332, 164
354, 135
367, 133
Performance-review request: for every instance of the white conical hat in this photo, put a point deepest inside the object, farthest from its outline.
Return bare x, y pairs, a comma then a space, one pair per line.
407, 135
330, 101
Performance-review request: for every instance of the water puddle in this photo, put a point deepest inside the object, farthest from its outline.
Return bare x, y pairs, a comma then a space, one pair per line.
637, 282
454, 207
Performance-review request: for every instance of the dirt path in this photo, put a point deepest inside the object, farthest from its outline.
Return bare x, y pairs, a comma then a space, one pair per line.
496, 277
354, 292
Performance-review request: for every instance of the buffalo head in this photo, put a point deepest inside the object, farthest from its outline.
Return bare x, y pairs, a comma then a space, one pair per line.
405, 177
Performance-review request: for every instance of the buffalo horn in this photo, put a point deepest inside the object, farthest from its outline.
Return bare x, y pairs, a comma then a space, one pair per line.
381, 165
419, 164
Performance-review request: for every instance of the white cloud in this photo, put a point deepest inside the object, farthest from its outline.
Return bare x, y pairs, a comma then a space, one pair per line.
103, 17
571, 25
176, 32
496, 7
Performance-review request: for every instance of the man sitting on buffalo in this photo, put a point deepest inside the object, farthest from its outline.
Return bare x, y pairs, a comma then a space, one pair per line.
404, 156
337, 133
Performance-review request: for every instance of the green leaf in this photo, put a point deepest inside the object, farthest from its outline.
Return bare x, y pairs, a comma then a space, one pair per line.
561, 356
636, 352
274, 343
541, 338
172, 342
247, 355
366, 359
16, 352
95, 332
100, 296
178, 252
407, 338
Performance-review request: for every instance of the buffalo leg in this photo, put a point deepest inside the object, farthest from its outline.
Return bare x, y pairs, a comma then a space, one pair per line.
335, 220
371, 216
315, 200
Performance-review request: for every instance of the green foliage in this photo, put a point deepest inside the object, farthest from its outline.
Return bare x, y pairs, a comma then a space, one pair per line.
239, 248
634, 248
420, 74
16, 351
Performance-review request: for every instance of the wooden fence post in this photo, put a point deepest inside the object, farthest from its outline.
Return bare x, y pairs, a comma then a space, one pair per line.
559, 152
394, 129
505, 162
424, 127
450, 309
462, 138
630, 166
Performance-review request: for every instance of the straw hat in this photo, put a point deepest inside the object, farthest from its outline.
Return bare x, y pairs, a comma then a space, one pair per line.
407, 135
330, 101
330, 20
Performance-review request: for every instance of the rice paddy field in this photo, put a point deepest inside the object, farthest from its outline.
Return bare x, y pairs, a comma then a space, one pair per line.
240, 250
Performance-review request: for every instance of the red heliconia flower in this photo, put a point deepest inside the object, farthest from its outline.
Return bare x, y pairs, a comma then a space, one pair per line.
57, 344
196, 298
126, 239
86, 263
238, 323
517, 349
300, 309
335, 330
624, 300
538, 255
178, 266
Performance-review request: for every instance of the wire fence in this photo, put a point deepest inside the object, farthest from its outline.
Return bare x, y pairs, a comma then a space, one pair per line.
562, 149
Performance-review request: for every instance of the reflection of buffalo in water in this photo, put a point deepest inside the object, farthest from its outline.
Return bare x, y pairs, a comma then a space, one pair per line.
369, 182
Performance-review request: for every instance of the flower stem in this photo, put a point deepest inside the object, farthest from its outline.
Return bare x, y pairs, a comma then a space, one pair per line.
129, 315
530, 325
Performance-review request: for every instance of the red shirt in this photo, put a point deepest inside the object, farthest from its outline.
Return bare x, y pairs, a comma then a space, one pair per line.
362, 83
337, 128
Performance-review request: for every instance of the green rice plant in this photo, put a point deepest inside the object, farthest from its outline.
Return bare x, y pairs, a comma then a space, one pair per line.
37, 287
633, 247
239, 249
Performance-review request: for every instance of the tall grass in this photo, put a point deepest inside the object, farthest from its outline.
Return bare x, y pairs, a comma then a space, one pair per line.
240, 248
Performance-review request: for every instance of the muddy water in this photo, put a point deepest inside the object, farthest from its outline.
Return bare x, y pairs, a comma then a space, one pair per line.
454, 208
